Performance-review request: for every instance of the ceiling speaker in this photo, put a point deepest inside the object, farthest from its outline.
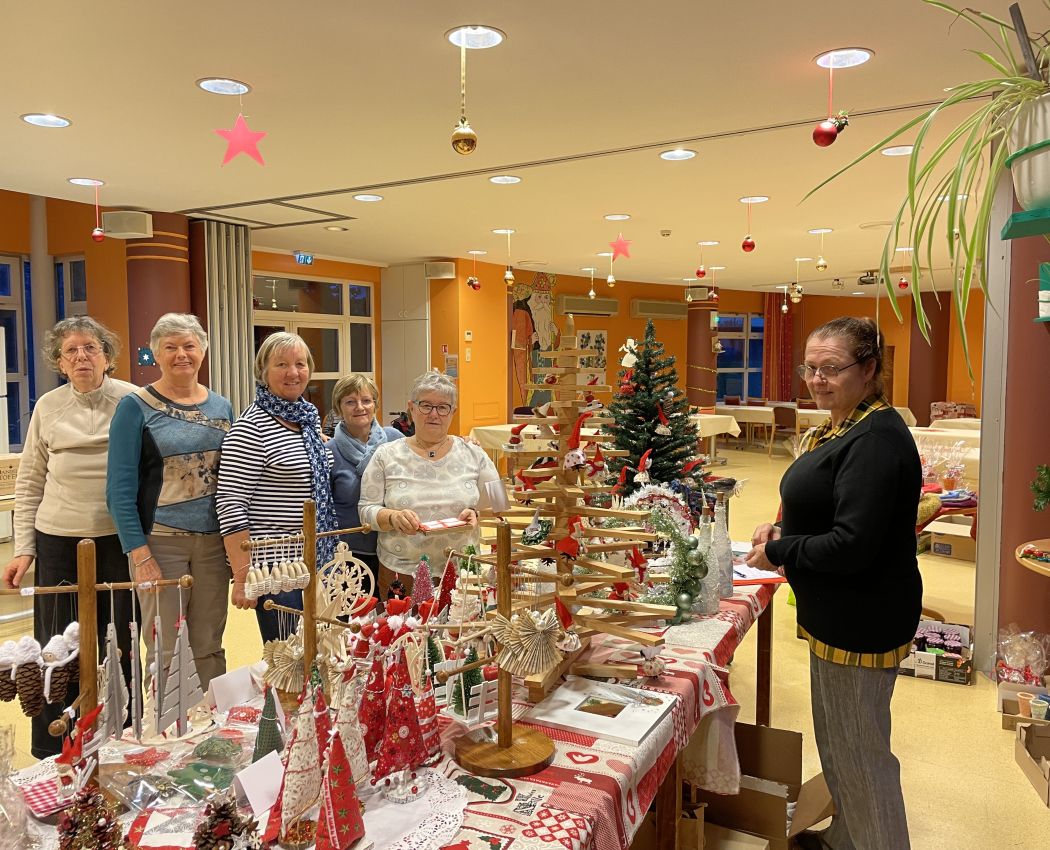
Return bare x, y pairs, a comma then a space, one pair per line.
439, 271
127, 224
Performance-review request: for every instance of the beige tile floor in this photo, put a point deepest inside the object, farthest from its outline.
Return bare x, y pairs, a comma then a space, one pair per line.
962, 787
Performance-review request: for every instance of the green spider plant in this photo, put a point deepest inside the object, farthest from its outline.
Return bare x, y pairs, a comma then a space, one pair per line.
951, 189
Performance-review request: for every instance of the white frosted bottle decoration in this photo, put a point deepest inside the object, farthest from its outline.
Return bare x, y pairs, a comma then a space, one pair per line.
709, 597
723, 549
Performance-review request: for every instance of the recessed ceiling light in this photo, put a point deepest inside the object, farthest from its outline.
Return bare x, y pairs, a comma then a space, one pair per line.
475, 37
874, 225
689, 279
617, 217
223, 85
844, 57
86, 181
816, 231
716, 268
898, 150
503, 231
858, 293
903, 249
477, 253
531, 262
803, 259
335, 228
957, 197
707, 242
754, 199
588, 269
45, 119
678, 154
368, 199
604, 254
505, 179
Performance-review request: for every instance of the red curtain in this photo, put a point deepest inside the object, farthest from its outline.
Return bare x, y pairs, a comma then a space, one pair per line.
776, 352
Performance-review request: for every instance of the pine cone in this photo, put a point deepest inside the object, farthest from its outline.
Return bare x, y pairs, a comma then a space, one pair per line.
8, 689
59, 685
30, 684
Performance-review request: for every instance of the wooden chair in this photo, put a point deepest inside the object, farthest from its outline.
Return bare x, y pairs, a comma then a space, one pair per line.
784, 420
806, 404
732, 400
754, 426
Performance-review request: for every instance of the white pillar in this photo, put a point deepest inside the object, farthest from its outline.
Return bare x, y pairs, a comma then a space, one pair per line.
43, 282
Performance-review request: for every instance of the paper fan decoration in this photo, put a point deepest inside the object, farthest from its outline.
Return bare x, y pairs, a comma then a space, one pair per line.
528, 642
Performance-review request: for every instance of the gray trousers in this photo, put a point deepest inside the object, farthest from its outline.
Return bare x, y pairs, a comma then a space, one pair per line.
205, 604
851, 723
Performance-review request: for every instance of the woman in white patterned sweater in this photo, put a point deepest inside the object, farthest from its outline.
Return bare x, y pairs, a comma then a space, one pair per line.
429, 476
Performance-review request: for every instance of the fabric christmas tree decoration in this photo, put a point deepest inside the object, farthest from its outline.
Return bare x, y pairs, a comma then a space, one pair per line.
302, 771
322, 723
268, 739
649, 403
340, 823
349, 727
401, 746
448, 581
422, 583
426, 711
373, 708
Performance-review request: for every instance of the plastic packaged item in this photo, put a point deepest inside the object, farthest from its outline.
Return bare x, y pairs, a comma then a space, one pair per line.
12, 804
723, 549
709, 585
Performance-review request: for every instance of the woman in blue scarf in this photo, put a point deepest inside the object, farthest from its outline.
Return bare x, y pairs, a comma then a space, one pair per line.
357, 436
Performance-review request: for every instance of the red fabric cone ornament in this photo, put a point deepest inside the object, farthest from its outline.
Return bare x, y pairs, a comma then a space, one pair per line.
273, 824
426, 711
575, 457
364, 605
627, 383
426, 609
448, 582
596, 465
640, 564
340, 823
564, 614
621, 479
322, 722
373, 708
397, 607
515, 435
401, 746
693, 464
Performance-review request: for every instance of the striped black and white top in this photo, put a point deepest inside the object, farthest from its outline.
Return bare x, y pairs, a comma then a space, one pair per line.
264, 477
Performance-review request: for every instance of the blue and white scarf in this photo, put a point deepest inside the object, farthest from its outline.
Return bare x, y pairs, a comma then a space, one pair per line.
305, 415
358, 453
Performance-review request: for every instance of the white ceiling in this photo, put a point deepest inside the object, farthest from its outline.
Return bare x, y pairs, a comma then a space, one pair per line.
358, 96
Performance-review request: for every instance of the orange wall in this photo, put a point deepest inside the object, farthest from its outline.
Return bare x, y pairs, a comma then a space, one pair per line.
14, 223
815, 310
960, 388
285, 265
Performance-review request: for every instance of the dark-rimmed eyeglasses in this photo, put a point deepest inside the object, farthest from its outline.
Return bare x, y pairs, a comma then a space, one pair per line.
426, 408
828, 373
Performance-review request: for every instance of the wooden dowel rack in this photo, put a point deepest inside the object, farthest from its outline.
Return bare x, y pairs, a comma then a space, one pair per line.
185, 582
259, 542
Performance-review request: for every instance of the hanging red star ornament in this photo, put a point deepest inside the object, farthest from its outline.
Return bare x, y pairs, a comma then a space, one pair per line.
242, 139
621, 247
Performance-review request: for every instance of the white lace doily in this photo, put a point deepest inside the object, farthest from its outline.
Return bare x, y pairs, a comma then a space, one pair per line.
428, 823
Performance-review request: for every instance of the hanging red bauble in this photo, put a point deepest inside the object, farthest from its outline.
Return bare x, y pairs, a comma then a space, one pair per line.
825, 133
474, 283
98, 234
701, 271
748, 245
903, 283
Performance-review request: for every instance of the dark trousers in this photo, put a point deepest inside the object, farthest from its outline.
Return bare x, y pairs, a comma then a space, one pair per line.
56, 563
277, 625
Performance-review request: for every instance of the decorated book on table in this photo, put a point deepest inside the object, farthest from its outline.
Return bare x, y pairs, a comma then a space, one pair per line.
613, 712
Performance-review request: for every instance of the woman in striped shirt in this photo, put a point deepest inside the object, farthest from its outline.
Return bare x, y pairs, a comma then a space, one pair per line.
273, 460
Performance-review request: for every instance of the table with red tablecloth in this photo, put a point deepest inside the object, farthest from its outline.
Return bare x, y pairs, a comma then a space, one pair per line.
596, 792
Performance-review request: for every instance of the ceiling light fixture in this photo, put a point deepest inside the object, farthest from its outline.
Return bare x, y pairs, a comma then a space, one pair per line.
754, 199
716, 268
86, 181
368, 199
590, 269
604, 254
617, 217
335, 228
678, 155
45, 119
817, 231
857, 293
508, 275
844, 57
898, 150
476, 37
223, 85
803, 259
943, 198
904, 249
504, 179
477, 253
706, 243
503, 231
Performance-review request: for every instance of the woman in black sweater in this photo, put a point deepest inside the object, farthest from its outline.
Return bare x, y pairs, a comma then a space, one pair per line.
846, 543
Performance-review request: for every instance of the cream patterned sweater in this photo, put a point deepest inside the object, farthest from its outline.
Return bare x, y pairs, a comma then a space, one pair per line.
61, 484
399, 479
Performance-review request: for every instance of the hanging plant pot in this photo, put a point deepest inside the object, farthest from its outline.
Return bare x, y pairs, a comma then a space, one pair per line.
1029, 163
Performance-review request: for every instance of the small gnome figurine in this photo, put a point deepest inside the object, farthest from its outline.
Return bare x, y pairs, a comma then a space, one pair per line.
630, 356
515, 443
664, 428
55, 649
644, 464
596, 465
575, 457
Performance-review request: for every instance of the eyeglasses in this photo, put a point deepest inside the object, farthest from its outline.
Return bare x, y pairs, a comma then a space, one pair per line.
426, 408
358, 402
828, 373
90, 350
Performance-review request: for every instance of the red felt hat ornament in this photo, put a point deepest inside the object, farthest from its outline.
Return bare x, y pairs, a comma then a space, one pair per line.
575, 458
664, 428
515, 434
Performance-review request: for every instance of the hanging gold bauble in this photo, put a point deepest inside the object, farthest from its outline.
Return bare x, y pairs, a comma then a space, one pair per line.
611, 281
822, 264
592, 294
508, 276
464, 139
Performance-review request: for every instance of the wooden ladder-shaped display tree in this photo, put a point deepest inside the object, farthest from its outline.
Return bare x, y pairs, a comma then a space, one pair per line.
559, 493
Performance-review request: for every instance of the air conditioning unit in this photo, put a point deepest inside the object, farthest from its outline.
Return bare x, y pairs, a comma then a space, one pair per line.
127, 224
581, 305
648, 308
439, 271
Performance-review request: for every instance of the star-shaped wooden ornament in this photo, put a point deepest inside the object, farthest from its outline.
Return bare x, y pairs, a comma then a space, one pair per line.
241, 139
621, 247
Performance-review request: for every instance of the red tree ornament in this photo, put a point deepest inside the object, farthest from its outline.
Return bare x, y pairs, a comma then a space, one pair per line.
701, 271
825, 133
903, 283
98, 234
748, 245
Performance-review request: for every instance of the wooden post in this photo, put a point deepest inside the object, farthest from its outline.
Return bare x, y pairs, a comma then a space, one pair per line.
505, 720
310, 592
87, 603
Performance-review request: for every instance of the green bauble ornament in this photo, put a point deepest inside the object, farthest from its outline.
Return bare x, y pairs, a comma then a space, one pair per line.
693, 542
694, 558
685, 601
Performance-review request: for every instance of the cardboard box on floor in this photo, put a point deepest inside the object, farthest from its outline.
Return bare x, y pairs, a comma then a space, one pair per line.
8, 473
690, 830
1032, 751
771, 778
950, 537
1012, 716
720, 838
1008, 691
928, 665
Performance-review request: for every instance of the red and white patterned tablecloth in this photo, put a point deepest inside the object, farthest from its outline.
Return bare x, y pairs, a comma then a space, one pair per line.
596, 792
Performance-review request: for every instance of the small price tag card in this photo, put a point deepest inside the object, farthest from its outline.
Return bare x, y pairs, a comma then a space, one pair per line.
439, 525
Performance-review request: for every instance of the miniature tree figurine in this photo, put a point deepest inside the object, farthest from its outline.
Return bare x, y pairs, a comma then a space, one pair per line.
268, 739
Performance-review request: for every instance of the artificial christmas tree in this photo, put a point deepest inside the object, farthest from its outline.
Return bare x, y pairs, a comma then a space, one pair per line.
422, 584
649, 403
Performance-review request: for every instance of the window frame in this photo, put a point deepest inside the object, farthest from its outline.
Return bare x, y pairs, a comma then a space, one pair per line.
747, 336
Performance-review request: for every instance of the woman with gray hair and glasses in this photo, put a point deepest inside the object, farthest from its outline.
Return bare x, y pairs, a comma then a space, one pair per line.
60, 493
426, 477
163, 469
